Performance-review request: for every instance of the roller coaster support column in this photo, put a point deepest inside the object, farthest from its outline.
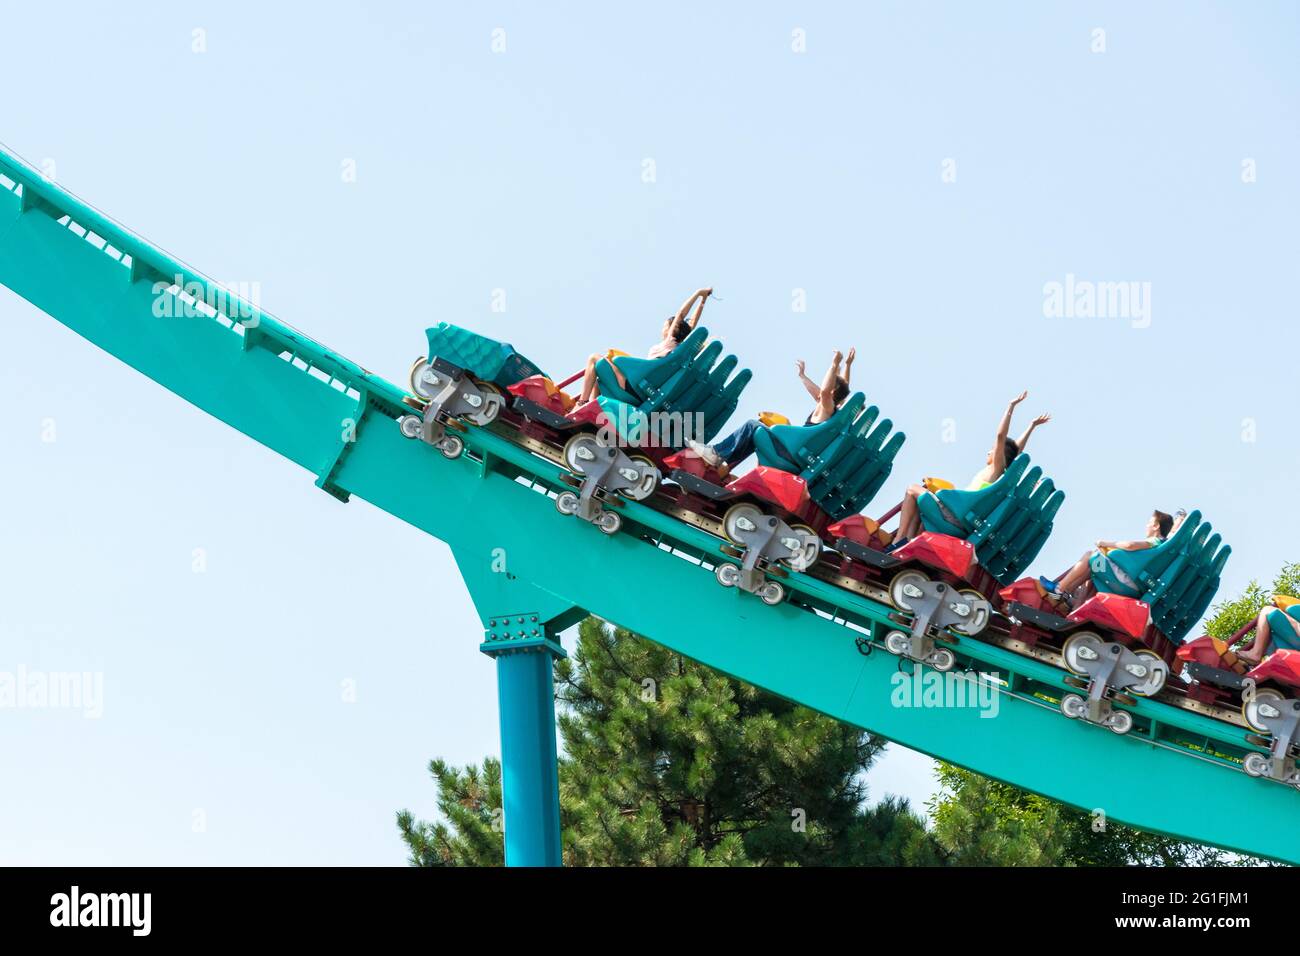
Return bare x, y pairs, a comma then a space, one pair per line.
525, 645
530, 786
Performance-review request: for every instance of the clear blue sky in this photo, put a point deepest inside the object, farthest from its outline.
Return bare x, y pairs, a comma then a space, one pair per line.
523, 171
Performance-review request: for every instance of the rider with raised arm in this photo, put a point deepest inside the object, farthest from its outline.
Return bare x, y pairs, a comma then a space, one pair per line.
674, 331
827, 397
834, 388
1002, 453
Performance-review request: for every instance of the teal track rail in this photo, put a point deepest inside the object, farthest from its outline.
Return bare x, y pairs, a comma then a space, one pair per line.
1174, 774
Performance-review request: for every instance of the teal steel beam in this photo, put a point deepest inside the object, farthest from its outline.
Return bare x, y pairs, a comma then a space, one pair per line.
1176, 783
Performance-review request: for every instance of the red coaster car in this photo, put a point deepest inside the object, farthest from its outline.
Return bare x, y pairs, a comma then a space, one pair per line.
766, 515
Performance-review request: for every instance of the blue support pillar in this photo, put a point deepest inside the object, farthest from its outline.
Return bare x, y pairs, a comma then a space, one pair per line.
530, 789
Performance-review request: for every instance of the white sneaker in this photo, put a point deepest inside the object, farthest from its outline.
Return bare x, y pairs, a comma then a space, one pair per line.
706, 452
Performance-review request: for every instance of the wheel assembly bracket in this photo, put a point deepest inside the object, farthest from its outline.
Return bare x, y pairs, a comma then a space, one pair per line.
603, 473
766, 540
449, 394
1109, 669
765, 544
1279, 717
935, 607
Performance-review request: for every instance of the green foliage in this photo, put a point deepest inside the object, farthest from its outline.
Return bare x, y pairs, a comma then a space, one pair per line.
981, 822
668, 763
1227, 617
470, 802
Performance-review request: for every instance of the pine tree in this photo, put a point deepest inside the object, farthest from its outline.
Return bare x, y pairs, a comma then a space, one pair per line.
470, 802
668, 763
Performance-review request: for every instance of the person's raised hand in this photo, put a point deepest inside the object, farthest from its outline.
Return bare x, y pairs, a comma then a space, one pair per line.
1042, 419
799, 366
853, 353
1020, 398
837, 357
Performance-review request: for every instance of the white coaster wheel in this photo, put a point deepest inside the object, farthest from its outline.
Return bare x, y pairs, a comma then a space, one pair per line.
898, 643
566, 503
1120, 721
740, 518
649, 480
579, 451
609, 522
1263, 703
492, 405
942, 660
1157, 674
772, 592
421, 372
906, 587
451, 446
979, 616
1084, 646
728, 575
808, 550
1255, 764
410, 425
1073, 706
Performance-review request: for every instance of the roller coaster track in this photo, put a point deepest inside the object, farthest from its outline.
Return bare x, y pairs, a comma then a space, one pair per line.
1178, 772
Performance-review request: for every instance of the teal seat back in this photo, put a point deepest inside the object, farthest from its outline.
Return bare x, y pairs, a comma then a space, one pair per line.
694, 382
722, 396
1008, 522
1185, 587
1019, 527
1185, 578
1026, 545
1177, 626
1145, 566
486, 358
707, 390
853, 482
844, 460
1166, 581
1007, 515
1177, 578
772, 454
648, 380
805, 445
972, 509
